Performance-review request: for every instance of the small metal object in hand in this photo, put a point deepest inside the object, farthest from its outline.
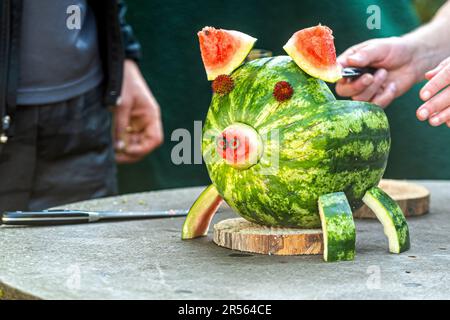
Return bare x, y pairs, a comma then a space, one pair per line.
354, 72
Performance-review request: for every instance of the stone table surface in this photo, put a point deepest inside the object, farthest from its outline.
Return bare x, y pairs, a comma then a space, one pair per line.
147, 259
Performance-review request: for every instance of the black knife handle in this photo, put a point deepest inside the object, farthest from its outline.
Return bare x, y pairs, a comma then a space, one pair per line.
356, 72
51, 217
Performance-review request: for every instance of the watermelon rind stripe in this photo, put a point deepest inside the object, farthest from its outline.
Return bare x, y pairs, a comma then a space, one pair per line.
339, 233
391, 217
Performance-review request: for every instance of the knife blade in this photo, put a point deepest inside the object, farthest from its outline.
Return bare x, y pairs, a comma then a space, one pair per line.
355, 72
58, 217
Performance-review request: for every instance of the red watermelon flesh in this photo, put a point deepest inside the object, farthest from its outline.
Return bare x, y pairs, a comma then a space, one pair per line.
313, 50
223, 50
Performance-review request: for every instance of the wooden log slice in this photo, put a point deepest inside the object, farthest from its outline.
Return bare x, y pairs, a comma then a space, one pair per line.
413, 199
240, 234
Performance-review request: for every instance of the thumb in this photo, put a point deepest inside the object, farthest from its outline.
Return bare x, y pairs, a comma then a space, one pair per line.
368, 55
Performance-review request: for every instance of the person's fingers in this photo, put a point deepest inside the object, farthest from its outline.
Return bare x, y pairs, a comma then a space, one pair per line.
133, 139
441, 117
384, 97
146, 141
434, 105
430, 74
378, 79
346, 88
342, 58
436, 84
139, 150
448, 124
370, 54
121, 122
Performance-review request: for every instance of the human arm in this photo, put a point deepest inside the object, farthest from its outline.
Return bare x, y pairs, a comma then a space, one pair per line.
402, 61
137, 116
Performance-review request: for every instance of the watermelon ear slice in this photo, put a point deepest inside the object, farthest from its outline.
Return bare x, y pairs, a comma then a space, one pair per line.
312, 49
223, 50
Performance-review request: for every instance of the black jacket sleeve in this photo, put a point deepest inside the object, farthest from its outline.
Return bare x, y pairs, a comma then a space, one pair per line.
131, 44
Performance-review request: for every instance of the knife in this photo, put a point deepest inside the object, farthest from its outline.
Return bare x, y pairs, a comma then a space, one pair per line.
355, 72
58, 217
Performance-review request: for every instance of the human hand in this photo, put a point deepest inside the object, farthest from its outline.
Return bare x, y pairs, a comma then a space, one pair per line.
137, 118
436, 94
395, 59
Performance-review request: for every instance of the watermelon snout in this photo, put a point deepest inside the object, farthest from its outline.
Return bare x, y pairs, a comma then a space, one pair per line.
240, 146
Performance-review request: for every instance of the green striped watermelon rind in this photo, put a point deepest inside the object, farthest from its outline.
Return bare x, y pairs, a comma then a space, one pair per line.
391, 217
201, 213
339, 233
324, 145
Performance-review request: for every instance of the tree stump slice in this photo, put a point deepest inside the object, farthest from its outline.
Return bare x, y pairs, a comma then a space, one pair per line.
240, 234
414, 200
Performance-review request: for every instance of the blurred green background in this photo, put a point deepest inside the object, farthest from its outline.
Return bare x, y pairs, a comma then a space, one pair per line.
173, 68
427, 8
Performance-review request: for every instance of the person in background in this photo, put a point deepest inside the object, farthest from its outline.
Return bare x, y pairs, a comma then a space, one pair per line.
62, 65
402, 62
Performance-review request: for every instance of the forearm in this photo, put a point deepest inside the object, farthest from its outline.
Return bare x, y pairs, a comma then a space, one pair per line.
431, 42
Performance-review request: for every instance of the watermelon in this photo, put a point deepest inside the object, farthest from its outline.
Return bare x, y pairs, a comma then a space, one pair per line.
311, 145
391, 217
201, 213
313, 50
283, 152
339, 234
223, 50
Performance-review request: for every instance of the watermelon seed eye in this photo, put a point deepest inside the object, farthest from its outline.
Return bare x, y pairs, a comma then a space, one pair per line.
222, 143
234, 143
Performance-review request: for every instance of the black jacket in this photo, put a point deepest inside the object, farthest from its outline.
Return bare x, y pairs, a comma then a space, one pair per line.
116, 38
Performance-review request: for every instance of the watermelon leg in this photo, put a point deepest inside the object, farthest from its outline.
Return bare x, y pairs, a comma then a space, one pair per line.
391, 217
339, 233
201, 213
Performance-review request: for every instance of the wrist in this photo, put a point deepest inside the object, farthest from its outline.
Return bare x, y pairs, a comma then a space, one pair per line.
420, 56
427, 49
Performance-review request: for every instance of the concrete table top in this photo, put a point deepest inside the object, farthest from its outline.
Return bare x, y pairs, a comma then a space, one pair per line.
147, 259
